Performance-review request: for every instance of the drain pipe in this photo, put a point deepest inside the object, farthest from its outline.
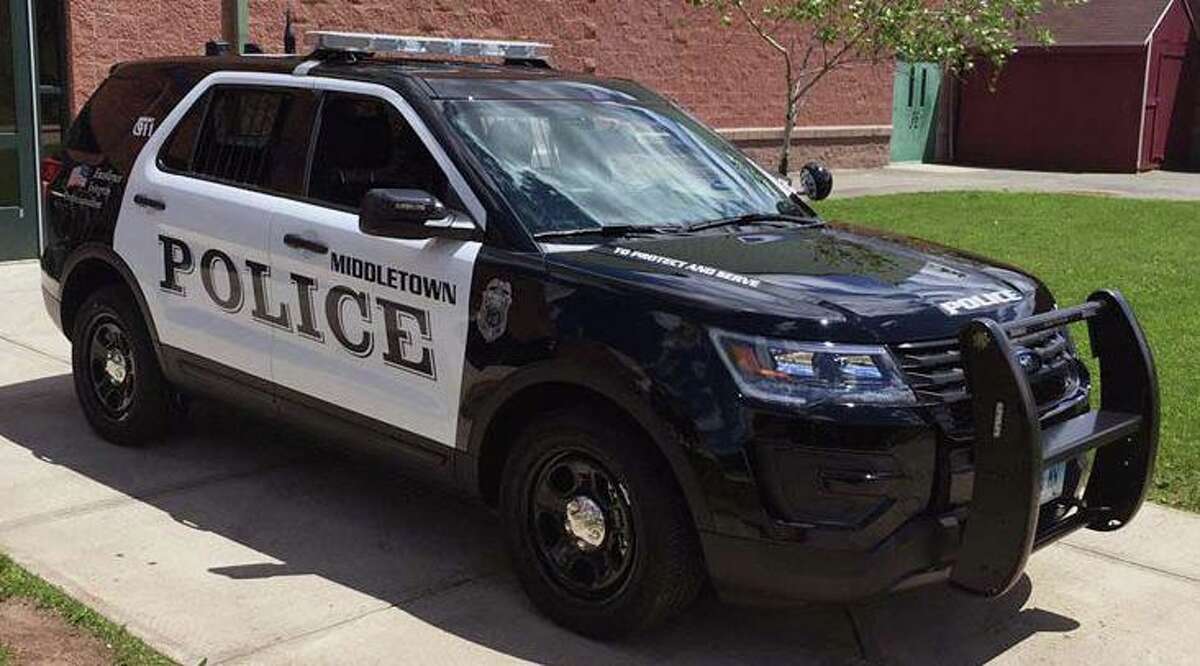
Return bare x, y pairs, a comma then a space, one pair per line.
235, 23
241, 24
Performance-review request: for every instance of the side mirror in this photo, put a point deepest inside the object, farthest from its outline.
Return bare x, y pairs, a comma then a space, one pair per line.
412, 215
816, 181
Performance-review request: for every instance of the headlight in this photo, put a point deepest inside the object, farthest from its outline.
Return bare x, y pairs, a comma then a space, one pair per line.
809, 373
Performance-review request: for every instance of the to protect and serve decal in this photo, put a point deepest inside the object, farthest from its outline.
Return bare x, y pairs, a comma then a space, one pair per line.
689, 266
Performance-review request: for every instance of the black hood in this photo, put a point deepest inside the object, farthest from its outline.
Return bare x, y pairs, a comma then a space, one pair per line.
840, 282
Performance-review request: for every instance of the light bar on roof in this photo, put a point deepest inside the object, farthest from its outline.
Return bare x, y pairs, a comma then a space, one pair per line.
361, 42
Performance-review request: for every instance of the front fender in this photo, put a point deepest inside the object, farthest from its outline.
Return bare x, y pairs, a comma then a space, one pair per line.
621, 383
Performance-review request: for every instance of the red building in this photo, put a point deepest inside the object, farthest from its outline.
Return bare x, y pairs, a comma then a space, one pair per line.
1117, 91
727, 76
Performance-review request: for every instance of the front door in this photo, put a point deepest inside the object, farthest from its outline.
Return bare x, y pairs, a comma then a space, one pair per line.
379, 326
19, 187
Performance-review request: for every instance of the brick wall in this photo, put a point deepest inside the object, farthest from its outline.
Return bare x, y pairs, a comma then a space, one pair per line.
724, 75
101, 33
852, 147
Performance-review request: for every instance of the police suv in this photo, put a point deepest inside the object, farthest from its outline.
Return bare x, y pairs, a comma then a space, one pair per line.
564, 294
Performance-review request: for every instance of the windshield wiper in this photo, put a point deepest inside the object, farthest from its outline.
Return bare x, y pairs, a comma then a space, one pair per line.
610, 231
754, 218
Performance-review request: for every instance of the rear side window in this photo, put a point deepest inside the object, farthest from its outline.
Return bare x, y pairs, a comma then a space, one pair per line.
249, 137
180, 149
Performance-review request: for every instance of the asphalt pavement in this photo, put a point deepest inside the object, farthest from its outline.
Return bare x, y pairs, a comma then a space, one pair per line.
239, 541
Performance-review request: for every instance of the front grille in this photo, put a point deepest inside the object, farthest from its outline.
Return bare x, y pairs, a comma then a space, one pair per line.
934, 371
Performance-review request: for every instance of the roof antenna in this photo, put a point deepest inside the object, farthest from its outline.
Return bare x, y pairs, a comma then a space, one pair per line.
289, 36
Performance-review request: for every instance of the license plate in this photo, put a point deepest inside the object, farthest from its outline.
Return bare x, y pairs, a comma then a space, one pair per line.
1053, 479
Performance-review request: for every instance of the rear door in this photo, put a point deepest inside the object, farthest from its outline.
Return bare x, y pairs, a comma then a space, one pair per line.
195, 222
380, 326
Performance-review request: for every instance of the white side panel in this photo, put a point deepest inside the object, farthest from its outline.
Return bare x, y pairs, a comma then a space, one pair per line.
432, 278
406, 302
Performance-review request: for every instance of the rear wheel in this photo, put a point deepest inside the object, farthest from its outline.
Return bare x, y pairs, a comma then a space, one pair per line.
600, 536
117, 378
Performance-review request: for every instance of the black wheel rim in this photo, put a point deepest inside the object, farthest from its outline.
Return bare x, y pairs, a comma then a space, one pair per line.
111, 367
568, 496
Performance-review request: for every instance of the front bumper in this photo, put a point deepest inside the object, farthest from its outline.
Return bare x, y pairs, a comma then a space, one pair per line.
981, 547
1012, 449
771, 572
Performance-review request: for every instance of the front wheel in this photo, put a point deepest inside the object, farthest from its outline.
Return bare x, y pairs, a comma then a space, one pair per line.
117, 378
598, 531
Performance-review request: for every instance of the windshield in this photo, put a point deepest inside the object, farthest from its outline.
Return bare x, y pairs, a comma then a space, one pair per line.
578, 165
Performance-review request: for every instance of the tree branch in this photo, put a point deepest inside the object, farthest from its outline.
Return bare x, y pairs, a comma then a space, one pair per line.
758, 28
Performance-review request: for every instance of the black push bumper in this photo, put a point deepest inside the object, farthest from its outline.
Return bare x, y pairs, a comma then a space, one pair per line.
983, 547
1006, 522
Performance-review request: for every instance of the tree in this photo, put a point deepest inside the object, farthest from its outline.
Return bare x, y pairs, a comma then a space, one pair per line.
817, 37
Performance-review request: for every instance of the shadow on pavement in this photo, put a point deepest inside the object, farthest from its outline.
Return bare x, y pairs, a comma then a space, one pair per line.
439, 557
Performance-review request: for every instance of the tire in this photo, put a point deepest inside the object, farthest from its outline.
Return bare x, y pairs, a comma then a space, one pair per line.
118, 380
646, 565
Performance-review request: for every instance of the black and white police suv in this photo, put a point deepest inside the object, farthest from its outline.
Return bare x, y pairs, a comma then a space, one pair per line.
564, 294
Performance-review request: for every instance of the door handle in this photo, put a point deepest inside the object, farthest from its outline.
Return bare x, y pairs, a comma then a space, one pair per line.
146, 202
301, 243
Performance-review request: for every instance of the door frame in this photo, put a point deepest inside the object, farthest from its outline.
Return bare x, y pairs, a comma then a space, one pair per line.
27, 139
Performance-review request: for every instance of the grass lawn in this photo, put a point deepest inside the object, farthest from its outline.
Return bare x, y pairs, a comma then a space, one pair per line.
1150, 250
126, 650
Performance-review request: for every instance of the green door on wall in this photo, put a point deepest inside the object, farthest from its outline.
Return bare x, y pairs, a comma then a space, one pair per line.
19, 186
914, 111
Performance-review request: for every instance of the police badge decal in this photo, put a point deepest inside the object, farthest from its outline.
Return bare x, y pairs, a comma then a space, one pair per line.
492, 318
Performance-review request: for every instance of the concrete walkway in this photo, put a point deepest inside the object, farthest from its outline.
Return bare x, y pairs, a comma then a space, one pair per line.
240, 543
900, 178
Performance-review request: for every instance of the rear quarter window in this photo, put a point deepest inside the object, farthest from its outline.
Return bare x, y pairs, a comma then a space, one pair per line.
105, 127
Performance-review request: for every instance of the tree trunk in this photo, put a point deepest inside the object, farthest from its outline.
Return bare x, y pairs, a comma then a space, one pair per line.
789, 126
793, 105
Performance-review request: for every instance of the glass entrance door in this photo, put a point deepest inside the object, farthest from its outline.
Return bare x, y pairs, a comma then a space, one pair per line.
18, 135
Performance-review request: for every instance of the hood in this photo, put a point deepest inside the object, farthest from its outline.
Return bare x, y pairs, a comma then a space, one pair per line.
854, 284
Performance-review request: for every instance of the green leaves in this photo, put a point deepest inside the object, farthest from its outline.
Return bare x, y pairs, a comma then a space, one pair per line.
954, 33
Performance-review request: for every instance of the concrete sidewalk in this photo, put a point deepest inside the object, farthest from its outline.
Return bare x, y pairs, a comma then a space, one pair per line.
239, 543
902, 178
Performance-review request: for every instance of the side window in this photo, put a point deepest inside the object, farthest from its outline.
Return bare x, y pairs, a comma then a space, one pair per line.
251, 137
179, 150
364, 143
